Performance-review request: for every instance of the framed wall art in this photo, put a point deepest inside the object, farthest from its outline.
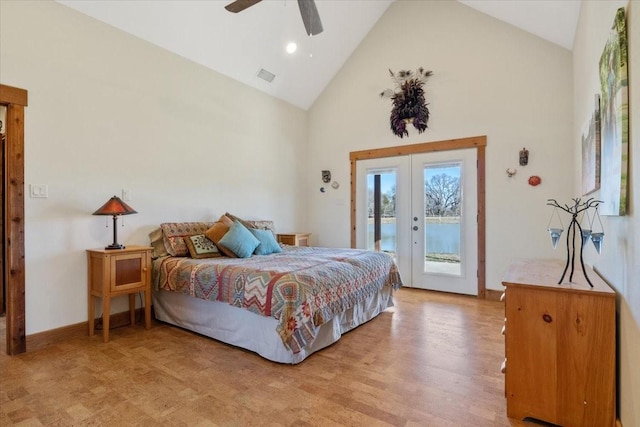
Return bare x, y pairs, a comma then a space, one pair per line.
591, 151
614, 120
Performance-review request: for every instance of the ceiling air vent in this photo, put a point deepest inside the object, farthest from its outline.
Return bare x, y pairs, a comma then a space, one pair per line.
266, 75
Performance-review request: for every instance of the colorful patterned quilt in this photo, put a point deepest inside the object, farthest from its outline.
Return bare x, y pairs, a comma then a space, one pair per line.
301, 287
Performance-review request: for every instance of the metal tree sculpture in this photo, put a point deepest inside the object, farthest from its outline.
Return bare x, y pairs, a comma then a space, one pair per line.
571, 233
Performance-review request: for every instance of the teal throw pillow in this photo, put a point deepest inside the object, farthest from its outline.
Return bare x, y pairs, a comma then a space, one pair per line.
239, 240
268, 244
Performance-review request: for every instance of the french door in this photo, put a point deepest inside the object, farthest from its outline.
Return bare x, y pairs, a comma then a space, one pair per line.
428, 210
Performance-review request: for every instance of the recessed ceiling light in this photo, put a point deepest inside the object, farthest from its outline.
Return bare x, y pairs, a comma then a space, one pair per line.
291, 47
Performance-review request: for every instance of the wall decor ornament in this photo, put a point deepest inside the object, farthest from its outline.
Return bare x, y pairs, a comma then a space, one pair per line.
614, 120
534, 180
409, 103
523, 157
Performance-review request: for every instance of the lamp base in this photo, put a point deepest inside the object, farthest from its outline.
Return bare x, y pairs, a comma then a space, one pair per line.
115, 246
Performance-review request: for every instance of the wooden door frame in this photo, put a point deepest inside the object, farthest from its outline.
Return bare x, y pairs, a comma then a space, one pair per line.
477, 142
15, 99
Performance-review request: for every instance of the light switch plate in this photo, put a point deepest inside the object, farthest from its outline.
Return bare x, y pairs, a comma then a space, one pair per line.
39, 191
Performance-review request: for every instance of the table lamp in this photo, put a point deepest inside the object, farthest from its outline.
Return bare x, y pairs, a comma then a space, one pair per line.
115, 207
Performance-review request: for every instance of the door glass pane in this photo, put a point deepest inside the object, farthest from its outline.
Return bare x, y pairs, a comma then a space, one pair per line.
387, 210
442, 211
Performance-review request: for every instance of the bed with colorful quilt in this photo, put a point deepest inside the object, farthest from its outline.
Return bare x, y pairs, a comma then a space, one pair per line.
284, 305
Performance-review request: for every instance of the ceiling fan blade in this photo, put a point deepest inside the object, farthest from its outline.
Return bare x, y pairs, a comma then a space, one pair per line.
240, 5
310, 17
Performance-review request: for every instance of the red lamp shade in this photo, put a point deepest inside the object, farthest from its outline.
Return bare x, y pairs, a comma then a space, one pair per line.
115, 206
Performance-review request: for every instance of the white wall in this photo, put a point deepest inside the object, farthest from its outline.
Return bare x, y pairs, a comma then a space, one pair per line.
108, 111
619, 262
489, 79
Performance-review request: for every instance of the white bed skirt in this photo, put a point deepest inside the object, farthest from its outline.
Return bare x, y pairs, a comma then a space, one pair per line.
256, 333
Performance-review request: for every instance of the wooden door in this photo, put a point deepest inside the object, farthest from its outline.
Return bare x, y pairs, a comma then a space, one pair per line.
15, 101
3, 119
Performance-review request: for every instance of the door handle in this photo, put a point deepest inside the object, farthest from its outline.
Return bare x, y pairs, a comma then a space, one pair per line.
415, 228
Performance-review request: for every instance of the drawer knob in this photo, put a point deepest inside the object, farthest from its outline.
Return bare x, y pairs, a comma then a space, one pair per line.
547, 318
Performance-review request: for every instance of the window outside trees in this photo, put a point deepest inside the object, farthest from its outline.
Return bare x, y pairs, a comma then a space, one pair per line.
442, 204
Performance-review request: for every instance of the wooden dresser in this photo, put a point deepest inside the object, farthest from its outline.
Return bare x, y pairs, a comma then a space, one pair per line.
560, 343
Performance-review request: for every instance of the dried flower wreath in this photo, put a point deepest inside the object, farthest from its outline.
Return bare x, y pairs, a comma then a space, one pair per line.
409, 105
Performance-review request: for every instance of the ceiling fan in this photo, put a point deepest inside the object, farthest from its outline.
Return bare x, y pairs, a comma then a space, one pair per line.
308, 10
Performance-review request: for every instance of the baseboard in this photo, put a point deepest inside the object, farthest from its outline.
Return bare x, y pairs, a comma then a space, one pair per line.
493, 294
65, 333
54, 336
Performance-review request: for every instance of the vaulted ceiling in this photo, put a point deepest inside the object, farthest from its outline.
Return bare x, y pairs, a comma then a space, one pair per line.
240, 45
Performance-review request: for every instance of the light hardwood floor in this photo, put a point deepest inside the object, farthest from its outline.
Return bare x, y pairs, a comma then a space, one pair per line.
433, 360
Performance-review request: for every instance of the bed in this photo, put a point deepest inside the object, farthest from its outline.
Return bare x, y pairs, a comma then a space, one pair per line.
283, 306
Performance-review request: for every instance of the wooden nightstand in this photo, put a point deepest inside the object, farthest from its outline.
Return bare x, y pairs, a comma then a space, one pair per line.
295, 239
119, 272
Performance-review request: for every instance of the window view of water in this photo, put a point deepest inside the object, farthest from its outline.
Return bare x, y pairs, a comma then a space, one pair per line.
442, 204
442, 238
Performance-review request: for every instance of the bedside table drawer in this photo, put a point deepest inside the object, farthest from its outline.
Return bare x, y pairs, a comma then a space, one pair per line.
295, 239
128, 272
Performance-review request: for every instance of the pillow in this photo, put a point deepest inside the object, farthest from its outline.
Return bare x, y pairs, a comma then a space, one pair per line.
201, 247
240, 241
217, 232
157, 242
174, 233
260, 225
268, 244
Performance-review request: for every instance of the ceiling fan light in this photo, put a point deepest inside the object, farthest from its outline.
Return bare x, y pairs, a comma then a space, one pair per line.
291, 48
